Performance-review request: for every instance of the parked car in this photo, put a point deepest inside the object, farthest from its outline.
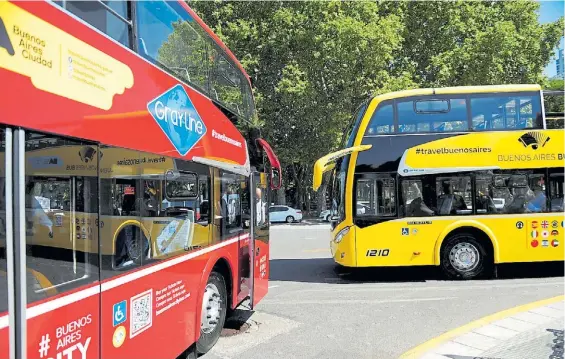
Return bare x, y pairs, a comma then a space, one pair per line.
284, 214
325, 215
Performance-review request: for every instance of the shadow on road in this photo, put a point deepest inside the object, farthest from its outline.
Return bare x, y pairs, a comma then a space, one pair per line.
324, 270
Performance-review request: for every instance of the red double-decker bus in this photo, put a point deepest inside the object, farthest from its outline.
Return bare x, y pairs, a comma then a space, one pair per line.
134, 185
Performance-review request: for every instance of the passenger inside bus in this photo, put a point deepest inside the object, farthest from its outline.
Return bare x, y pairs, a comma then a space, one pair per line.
449, 203
537, 199
417, 207
484, 202
520, 194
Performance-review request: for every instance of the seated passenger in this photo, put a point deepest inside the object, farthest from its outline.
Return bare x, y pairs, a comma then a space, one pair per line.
537, 201
449, 203
417, 208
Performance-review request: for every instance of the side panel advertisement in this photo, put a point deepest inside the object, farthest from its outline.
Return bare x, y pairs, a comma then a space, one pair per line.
108, 93
486, 150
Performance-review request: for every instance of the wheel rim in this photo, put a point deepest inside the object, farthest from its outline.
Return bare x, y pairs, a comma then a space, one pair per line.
211, 308
289, 219
464, 257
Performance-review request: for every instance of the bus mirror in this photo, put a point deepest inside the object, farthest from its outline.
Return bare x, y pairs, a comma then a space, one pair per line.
276, 177
327, 163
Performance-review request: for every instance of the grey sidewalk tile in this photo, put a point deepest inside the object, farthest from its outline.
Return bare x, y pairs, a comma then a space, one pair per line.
514, 324
453, 348
433, 356
532, 317
477, 341
558, 305
548, 312
495, 331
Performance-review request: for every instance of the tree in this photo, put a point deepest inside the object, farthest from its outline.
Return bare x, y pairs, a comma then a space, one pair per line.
476, 43
313, 63
554, 107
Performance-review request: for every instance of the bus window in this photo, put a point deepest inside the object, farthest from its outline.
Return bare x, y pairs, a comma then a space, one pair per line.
537, 200
97, 15
432, 115
454, 195
414, 202
505, 112
173, 40
556, 190
376, 196
61, 214
382, 121
228, 210
484, 195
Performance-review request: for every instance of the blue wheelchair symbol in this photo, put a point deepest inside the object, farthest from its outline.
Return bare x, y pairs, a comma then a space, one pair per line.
120, 312
405, 231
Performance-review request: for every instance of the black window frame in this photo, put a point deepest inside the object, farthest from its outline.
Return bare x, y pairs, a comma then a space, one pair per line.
368, 220
468, 98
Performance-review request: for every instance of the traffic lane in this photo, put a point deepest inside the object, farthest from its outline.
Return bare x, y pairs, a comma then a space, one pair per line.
383, 320
310, 312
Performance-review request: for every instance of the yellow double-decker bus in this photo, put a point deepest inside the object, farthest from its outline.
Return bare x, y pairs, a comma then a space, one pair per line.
463, 178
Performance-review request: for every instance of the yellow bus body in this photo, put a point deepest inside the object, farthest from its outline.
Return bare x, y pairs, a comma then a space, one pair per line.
414, 241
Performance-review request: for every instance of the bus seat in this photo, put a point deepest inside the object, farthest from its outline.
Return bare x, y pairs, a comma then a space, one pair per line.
445, 204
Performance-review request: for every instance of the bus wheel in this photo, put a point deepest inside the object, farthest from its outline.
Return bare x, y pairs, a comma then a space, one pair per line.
213, 315
463, 257
137, 245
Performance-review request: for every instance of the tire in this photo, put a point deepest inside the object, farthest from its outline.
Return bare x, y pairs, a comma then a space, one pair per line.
327, 219
464, 257
214, 303
190, 353
136, 244
289, 219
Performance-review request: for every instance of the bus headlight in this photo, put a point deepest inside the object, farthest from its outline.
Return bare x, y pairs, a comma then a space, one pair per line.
340, 234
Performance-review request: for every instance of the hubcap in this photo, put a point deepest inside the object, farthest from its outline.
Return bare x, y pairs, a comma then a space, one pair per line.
464, 257
211, 308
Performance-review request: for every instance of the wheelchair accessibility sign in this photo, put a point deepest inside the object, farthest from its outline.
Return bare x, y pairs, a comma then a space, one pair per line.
120, 310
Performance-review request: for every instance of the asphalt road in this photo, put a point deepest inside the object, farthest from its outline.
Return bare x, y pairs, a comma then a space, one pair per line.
311, 312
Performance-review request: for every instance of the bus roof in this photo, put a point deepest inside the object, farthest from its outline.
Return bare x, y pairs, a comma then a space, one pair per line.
458, 90
90, 86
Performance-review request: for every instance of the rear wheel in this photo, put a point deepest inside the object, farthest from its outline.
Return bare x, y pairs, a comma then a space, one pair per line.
327, 219
464, 257
213, 315
289, 219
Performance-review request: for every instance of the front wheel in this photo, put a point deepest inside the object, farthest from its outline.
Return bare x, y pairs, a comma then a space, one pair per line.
213, 315
289, 219
463, 257
327, 219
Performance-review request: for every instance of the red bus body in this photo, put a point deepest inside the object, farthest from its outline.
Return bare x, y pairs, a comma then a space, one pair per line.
156, 306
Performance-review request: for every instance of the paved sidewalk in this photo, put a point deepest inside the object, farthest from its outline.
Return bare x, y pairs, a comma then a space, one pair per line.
530, 331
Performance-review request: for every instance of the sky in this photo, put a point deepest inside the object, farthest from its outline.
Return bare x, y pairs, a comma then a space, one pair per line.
549, 12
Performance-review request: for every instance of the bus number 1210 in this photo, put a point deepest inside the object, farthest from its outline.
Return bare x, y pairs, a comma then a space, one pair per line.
377, 253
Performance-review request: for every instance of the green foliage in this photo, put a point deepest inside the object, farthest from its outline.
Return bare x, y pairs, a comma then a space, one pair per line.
313, 62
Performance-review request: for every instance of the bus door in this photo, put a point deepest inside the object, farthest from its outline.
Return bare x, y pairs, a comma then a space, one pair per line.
259, 236
49, 279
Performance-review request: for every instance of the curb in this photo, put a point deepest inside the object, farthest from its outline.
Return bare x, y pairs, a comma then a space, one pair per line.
427, 346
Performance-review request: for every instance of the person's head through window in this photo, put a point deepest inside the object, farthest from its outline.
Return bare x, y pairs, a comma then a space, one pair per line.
446, 187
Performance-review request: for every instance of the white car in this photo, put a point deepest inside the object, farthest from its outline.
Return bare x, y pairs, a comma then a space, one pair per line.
325, 215
284, 214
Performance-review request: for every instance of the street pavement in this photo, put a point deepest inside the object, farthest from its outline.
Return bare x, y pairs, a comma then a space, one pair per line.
312, 312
